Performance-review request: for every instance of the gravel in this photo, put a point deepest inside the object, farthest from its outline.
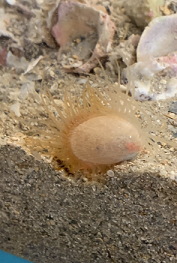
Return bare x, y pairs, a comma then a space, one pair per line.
47, 217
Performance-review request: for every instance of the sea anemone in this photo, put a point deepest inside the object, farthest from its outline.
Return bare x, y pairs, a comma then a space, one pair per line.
92, 132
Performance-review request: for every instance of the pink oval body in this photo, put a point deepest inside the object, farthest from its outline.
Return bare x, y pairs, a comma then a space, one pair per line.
105, 140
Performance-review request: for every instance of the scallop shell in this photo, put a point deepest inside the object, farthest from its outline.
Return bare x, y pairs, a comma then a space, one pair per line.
105, 140
143, 11
159, 38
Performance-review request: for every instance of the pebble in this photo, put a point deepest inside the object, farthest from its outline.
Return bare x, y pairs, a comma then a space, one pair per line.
173, 107
163, 173
26, 88
163, 81
97, 70
110, 173
82, 81
16, 108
